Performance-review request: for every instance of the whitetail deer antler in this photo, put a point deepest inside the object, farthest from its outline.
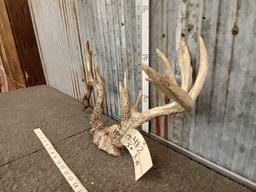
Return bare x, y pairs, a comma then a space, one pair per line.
108, 138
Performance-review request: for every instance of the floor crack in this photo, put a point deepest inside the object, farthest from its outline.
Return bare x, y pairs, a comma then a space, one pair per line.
54, 143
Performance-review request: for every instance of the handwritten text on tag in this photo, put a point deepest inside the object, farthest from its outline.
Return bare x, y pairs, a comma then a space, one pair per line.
137, 146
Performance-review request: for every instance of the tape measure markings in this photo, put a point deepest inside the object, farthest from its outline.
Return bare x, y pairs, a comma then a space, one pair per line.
64, 169
145, 56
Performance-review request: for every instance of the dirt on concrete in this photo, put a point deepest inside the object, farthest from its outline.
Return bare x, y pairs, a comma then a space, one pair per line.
25, 165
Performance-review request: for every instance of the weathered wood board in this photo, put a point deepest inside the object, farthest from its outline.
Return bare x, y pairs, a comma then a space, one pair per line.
9, 53
23, 32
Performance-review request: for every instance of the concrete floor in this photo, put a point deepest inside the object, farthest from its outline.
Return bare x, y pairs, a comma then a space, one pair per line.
25, 165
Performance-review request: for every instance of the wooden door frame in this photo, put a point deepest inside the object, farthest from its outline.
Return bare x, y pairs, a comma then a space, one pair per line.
9, 53
22, 27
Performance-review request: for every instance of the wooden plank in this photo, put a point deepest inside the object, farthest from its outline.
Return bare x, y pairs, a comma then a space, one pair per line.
3, 78
9, 53
25, 39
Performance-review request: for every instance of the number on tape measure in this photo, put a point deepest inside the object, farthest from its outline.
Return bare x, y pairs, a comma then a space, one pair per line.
64, 169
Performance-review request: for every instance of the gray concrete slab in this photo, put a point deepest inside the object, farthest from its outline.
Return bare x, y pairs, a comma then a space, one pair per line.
26, 166
23, 110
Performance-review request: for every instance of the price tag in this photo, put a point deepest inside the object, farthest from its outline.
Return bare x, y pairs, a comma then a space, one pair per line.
137, 146
64, 169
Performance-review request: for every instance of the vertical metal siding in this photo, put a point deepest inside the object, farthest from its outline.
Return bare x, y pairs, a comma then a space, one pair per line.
222, 125
64, 26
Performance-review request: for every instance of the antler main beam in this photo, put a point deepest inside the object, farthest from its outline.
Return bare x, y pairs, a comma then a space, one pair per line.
108, 138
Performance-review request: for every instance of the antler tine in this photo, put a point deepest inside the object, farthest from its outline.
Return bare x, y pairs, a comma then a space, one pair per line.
167, 66
89, 63
202, 72
89, 79
185, 66
137, 102
98, 77
125, 98
169, 87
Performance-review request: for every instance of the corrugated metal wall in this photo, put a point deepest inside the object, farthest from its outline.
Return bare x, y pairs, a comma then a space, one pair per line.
222, 125
64, 26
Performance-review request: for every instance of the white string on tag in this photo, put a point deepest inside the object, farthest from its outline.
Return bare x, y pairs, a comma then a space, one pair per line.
64, 169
